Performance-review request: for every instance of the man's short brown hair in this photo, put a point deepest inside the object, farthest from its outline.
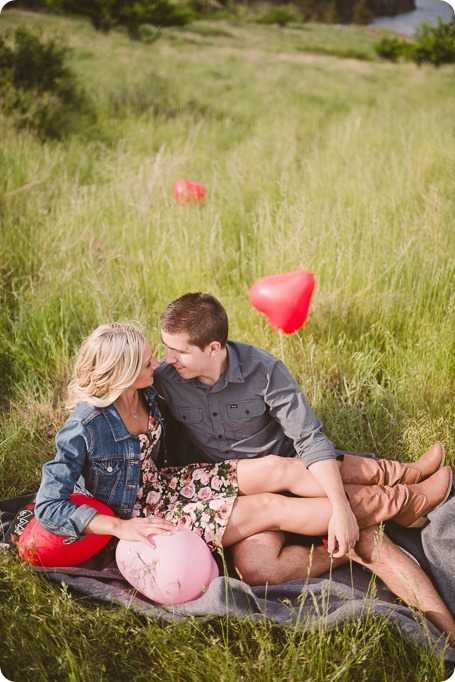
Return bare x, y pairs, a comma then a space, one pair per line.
200, 316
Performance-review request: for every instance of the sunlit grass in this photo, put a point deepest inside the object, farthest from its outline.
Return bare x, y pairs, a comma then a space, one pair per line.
339, 166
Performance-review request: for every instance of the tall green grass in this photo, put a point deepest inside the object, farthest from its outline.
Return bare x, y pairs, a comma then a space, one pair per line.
339, 166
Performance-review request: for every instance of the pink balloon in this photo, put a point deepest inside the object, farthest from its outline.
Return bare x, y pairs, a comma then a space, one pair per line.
215, 572
284, 298
177, 570
186, 191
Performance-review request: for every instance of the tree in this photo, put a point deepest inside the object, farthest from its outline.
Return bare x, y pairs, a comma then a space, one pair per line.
108, 14
362, 13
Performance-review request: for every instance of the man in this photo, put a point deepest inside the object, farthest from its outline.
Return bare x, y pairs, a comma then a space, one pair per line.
235, 401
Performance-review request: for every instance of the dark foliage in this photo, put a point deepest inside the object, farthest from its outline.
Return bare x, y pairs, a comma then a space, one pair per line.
36, 86
432, 45
105, 15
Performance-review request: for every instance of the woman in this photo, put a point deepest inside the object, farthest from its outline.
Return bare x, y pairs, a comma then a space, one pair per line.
113, 438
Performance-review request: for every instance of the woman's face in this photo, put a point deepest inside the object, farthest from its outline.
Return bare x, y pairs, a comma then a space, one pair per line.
149, 364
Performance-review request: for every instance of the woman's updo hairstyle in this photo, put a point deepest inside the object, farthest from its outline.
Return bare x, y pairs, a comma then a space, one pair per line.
108, 362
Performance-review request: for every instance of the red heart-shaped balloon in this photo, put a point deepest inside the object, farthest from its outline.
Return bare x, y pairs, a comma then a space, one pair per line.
42, 548
284, 298
186, 191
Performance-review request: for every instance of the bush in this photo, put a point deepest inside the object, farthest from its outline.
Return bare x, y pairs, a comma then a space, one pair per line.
389, 47
36, 86
281, 15
435, 44
432, 45
106, 15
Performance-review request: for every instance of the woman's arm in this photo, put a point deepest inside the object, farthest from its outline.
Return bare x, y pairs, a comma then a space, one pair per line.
53, 508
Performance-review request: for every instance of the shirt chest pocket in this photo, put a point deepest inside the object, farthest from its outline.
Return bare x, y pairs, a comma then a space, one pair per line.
105, 477
189, 415
247, 417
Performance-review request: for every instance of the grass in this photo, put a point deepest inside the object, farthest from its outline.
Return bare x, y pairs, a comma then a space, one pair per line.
67, 637
337, 165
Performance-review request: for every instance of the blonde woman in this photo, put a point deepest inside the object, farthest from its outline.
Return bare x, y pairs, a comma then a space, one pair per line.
116, 432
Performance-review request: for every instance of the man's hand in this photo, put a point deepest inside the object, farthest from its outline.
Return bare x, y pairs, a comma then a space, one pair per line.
343, 531
343, 526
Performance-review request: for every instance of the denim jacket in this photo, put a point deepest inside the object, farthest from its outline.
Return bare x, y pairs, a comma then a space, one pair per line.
95, 444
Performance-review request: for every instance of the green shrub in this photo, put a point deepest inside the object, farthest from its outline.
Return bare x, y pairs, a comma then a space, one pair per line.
36, 86
105, 15
435, 44
389, 47
281, 15
432, 45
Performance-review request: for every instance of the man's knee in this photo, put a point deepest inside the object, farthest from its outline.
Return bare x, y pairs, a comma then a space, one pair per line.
255, 559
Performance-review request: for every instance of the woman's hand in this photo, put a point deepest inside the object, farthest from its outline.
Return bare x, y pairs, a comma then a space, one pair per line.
137, 529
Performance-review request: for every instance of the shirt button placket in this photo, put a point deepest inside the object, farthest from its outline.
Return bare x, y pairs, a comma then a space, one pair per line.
217, 423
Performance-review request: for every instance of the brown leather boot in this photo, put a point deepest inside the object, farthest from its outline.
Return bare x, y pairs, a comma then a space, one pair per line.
368, 471
406, 505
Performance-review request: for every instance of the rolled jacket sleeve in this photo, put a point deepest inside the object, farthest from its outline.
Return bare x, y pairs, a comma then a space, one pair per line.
53, 508
289, 407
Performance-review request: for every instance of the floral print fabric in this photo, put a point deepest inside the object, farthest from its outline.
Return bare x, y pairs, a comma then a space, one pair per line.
198, 497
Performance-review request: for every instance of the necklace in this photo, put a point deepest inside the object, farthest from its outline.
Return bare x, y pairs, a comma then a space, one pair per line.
134, 414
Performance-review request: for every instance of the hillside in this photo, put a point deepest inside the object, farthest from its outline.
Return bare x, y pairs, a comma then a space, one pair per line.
315, 155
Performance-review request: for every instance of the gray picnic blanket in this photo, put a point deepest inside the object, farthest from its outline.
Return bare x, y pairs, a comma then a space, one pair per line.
348, 593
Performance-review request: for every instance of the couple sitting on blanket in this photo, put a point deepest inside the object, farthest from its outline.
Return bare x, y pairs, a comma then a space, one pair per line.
253, 436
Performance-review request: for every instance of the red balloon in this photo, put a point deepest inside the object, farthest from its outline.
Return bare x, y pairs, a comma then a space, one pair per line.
186, 192
284, 298
42, 548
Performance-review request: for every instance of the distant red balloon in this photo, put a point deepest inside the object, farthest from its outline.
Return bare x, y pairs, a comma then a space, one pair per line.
42, 548
187, 192
284, 298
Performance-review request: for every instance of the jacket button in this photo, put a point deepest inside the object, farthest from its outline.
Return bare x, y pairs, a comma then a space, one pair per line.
109, 469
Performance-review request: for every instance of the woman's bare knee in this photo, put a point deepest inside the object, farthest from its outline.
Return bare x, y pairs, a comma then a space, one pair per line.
278, 471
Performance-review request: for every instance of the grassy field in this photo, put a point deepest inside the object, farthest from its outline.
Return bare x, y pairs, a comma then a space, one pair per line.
312, 159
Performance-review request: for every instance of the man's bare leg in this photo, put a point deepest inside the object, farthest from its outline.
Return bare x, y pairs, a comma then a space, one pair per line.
404, 577
264, 558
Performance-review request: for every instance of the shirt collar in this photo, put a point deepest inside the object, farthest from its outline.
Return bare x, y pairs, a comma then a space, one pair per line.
233, 374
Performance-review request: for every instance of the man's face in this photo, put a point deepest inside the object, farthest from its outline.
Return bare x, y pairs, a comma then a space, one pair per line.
189, 361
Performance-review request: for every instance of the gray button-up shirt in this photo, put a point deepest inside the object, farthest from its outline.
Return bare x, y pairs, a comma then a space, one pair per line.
256, 408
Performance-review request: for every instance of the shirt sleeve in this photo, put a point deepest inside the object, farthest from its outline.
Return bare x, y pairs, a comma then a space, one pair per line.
53, 508
288, 405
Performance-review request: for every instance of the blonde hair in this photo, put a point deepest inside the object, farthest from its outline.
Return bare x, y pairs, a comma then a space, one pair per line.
108, 362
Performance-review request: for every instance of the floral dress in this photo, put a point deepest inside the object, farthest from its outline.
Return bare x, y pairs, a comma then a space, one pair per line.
199, 497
